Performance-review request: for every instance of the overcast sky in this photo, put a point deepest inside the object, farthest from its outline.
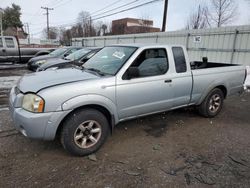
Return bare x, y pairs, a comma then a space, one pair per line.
66, 11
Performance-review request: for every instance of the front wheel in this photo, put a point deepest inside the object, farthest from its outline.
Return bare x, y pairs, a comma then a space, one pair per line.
212, 104
84, 132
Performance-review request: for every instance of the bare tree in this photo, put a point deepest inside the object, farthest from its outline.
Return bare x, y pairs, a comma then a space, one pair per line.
104, 28
98, 28
53, 33
198, 19
222, 12
101, 28
65, 36
84, 19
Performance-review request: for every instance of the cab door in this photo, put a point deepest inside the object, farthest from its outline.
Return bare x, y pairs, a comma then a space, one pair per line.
11, 49
2, 50
151, 91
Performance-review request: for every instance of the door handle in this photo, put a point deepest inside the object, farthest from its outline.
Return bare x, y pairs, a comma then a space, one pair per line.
168, 81
3, 50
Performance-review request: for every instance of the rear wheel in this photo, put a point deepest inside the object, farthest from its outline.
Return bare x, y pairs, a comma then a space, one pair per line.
212, 104
84, 132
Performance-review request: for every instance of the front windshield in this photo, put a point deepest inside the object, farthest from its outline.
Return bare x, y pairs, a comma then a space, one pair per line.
110, 59
78, 54
58, 52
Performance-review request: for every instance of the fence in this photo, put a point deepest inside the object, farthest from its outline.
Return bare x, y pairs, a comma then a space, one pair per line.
39, 42
227, 44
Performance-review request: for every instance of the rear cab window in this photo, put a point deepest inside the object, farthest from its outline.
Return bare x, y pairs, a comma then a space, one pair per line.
179, 59
9, 43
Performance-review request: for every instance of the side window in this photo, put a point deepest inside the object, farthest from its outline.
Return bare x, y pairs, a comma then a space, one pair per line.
1, 42
179, 59
151, 62
9, 43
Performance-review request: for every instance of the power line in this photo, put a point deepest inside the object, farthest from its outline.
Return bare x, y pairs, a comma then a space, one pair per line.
108, 6
132, 2
92, 14
118, 12
143, 4
54, 2
62, 4
124, 10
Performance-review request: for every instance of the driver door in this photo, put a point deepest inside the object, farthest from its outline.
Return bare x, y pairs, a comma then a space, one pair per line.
151, 91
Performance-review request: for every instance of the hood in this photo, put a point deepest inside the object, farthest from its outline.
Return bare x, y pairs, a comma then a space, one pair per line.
53, 62
39, 80
42, 57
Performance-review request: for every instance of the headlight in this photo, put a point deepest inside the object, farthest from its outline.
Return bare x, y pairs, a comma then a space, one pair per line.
33, 103
41, 62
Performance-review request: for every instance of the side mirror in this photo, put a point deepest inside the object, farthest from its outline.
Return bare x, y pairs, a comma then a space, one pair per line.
132, 72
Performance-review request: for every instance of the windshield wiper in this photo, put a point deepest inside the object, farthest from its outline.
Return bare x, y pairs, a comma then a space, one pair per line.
95, 70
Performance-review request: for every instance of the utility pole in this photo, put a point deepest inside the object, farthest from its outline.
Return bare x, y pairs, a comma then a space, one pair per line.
90, 27
1, 21
165, 16
47, 14
28, 31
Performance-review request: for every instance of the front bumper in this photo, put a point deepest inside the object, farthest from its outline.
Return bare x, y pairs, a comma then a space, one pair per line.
41, 126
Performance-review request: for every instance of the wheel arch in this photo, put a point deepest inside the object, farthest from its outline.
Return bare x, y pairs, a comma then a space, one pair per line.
222, 87
110, 117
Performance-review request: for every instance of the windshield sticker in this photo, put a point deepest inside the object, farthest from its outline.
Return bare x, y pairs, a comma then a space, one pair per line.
118, 55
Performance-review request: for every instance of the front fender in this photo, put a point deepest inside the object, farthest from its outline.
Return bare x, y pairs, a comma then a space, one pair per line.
91, 99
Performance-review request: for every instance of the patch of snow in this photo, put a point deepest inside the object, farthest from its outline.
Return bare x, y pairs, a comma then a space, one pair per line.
4, 66
8, 82
4, 109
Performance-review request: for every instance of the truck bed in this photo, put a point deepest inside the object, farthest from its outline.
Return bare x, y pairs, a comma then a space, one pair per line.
201, 65
205, 77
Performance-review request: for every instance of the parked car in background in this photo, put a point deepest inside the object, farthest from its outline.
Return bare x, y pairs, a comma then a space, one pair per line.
118, 83
77, 58
11, 52
36, 62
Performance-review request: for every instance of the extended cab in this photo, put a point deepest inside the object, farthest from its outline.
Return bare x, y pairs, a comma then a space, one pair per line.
11, 52
119, 83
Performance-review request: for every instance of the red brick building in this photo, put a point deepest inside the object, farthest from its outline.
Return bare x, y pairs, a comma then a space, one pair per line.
16, 31
132, 25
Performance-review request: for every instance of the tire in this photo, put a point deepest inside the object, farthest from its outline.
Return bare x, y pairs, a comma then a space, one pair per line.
212, 104
84, 132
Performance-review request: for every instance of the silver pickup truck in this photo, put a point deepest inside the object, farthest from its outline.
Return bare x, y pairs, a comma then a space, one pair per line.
10, 51
122, 82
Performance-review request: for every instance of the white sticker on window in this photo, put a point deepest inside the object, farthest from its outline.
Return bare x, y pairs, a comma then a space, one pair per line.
118, 55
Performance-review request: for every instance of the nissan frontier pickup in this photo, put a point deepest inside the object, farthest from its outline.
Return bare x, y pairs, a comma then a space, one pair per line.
121, 82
